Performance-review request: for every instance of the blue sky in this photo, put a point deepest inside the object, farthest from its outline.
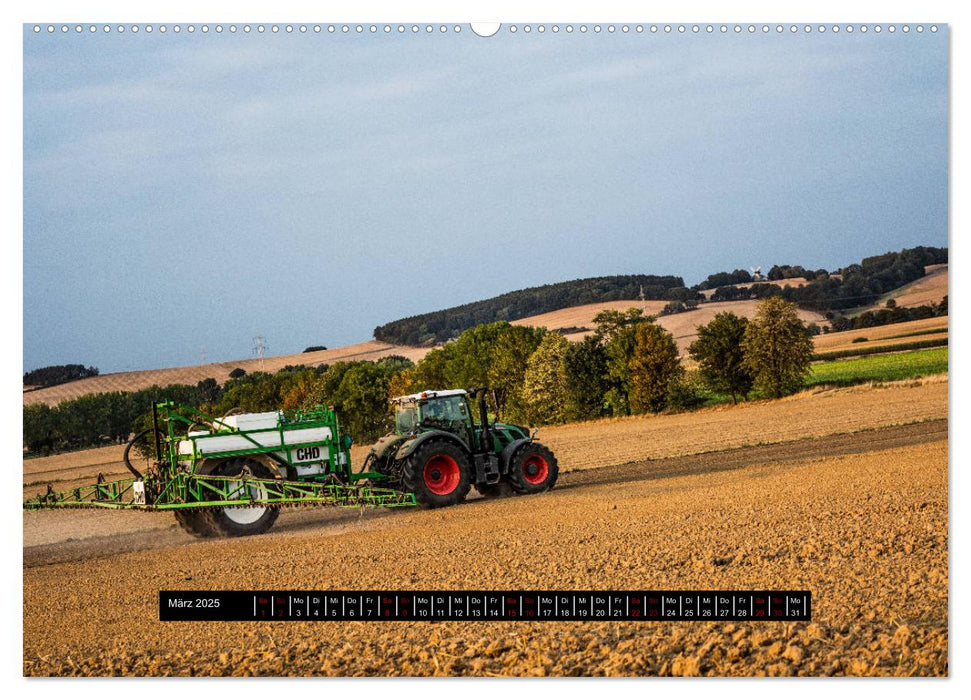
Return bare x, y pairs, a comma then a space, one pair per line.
184, 191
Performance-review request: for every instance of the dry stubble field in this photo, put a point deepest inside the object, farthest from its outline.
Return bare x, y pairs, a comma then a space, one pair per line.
849, 502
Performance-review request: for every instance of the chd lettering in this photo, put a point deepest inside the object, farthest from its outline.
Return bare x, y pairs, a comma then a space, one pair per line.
305, 453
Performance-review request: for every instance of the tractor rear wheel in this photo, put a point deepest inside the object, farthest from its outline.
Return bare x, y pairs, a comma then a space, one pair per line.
245, 520
533, 469
438, 473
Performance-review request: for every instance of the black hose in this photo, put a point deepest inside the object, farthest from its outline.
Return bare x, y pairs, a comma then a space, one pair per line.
131, 468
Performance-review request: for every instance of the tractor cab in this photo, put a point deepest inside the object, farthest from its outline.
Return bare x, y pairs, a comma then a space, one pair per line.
435, 410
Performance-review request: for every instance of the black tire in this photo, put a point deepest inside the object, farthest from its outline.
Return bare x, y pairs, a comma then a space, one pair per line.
438, 473
533, 469
241, 522
196, 523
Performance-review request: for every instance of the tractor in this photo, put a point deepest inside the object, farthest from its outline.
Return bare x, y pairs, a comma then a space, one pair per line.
437, 451
230, 476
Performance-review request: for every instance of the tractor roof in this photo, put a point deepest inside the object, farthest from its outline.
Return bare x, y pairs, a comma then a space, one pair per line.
428, 395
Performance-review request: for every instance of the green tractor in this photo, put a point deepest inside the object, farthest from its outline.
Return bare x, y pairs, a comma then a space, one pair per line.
438, 452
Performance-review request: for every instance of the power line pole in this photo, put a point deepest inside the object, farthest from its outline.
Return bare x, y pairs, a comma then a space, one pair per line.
203, 354
260, 347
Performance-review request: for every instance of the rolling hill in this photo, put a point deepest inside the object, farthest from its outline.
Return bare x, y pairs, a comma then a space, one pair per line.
574, 322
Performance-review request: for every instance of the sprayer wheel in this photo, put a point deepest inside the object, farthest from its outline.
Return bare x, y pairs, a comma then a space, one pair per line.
248, 520
196, 523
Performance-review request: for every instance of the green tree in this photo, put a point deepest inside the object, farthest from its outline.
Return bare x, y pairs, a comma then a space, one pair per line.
544, 385
363, 397
39, 428
778, 348
718, 352
432, 371
609, 322
209, 390
507, 368
470, 355
653, 365
322, 390
615, 331
585, 368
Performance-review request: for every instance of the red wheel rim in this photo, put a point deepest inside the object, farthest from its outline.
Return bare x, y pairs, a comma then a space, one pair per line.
441, 475
535, 469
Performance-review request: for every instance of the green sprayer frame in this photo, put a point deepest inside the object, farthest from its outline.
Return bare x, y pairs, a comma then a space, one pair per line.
172, 484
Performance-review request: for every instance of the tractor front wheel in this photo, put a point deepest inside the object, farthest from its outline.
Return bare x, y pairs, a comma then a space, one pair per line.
533, 469
438, 473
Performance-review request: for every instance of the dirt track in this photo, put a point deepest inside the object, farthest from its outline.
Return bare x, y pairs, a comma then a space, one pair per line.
859, 519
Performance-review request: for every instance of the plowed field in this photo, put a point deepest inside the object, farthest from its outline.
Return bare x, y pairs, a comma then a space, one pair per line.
859, 518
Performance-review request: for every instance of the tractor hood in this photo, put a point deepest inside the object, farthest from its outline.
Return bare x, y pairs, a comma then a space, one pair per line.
516, 431
387, 444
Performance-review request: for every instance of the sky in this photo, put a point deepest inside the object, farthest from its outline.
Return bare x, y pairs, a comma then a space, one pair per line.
183, 192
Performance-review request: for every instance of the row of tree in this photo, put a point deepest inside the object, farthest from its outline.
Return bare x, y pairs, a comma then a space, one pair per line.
628, 365
891, 314
58, 374
440, 326
856, 285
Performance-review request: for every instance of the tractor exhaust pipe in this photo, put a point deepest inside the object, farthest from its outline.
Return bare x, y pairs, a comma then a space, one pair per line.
484, 417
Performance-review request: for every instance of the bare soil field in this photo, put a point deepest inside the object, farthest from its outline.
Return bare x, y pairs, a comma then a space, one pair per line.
133, 381
614, 441
809, 414
861, 521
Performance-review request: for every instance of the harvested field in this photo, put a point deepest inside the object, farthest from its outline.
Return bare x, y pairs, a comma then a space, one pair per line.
929, 289
879, 336
582, 316
682, 326
865, 531
791, 282
133, 381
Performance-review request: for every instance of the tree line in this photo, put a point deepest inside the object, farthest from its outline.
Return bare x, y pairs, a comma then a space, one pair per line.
58, 374
857, 285
441, 326
627, 365
891, 314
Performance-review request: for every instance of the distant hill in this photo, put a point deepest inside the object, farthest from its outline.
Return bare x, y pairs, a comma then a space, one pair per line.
143, 379
856, 285
912, 278
440, 326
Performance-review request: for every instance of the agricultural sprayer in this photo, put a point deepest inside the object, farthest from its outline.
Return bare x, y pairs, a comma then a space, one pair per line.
230, 476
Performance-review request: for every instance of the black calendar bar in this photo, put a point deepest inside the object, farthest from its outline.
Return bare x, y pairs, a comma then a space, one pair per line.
440, 606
